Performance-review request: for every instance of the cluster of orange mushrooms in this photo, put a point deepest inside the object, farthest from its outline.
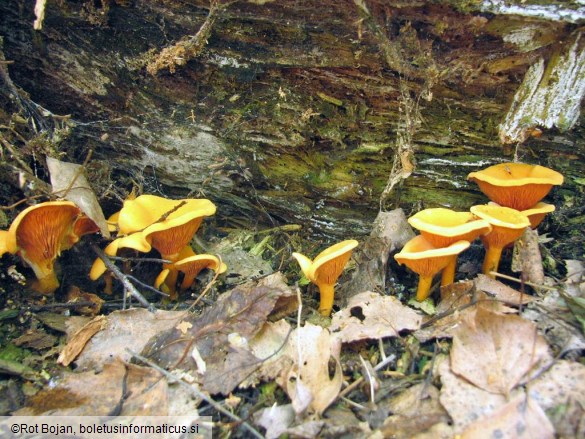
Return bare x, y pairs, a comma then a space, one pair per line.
515, 191
41, 232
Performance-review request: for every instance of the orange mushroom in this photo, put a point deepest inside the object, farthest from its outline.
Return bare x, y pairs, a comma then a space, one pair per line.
537, 213
516, 185
191, 266
443, 227
159, 223
325, 269
507, 226
426, 260
40, 233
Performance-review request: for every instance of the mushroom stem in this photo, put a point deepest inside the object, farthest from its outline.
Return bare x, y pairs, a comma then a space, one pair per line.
326, 299
448, 275
492, 260
171, 281
424, 287
46, 282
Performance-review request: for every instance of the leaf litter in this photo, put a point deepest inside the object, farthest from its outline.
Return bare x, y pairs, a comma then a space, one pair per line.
379, 369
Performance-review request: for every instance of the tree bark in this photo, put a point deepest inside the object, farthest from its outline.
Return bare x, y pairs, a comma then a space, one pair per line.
317, 112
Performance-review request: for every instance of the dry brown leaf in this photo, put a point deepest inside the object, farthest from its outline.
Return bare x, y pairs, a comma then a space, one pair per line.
521, 418
77, 342
501, 291
75, 295
454, 308
372, 316
275, 419
242, 311
495, 352
463, 401
307, 381
268, 346
81, 394
561, 392
35, 339
414, 411
129, 329
81, 193
127, 389
146, 393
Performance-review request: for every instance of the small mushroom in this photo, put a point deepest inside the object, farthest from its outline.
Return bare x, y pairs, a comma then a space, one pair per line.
516, 185
443, 227
507, 226
40, 233
325, 269
159, 223
426, 260
191, 266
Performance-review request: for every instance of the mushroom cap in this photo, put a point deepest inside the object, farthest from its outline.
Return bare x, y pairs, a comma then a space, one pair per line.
424, 258
537, 213
39, 233
329, 264
443, 227
194, 264
516, 185
167, 225
507, 224
146, 210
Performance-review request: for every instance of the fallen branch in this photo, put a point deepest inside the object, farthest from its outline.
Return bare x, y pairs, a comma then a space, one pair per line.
128, 287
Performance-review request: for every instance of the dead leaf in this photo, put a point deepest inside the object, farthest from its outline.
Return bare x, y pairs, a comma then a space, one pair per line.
81, 394
501, 291
35, 339
307, 381
556, 322
275, 419
146, 393
75, 295
464, 401
414, 411
243, 310
78, 341
455, 307
81, 193
520, 418
372, 316
268, 346
129, 329
560, 391
496, 352
120, 388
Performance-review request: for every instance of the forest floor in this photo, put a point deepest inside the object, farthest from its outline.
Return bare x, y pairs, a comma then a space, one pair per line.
482, 358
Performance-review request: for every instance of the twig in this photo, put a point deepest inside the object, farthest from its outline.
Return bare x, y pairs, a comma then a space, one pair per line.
357, 382
199, 394
130, 259
520, 281
128, 287
146, 286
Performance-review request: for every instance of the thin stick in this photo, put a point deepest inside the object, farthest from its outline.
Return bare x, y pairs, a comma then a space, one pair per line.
199, 394
128, 287
520, 281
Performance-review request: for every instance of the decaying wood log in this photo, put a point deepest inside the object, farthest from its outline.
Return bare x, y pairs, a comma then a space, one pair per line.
308, 112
